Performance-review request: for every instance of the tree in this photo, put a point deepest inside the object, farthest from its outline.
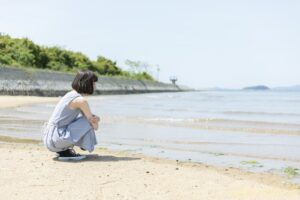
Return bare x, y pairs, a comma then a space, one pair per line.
134, 65
106, 66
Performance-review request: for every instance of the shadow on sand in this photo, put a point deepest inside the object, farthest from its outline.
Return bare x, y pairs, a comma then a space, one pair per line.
99, 158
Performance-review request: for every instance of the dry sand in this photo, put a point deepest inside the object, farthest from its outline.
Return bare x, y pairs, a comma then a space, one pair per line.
29, 171
13, 101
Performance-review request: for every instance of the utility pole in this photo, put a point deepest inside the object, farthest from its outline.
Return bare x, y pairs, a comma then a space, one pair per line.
157, 70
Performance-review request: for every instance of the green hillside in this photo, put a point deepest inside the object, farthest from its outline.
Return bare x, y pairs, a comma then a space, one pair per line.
22, 52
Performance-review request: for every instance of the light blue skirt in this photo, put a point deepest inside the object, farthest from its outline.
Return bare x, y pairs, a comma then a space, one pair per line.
78, 133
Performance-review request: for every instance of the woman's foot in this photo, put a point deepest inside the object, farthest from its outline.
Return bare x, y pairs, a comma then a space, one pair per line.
70, 154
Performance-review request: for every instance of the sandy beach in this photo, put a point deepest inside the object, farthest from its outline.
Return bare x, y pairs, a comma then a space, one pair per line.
29, 171
13, 101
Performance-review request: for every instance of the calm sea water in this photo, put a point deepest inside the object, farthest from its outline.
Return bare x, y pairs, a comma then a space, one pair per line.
251, 130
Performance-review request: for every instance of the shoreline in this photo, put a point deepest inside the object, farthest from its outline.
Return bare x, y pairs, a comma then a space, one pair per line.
266, 178
32, 171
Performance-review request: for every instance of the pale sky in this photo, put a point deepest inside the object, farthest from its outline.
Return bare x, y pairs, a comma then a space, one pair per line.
224, 43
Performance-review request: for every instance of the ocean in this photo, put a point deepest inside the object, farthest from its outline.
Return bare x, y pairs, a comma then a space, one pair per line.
257, 131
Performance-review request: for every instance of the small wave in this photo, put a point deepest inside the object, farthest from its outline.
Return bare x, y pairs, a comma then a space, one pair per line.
230, 125
262, 113
218, 120
153, 97
50, 105
166, 119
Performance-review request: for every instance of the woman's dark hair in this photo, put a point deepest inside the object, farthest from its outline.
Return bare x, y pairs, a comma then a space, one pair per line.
83, 83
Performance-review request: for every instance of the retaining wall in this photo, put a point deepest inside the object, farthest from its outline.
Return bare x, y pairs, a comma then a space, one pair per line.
15, 81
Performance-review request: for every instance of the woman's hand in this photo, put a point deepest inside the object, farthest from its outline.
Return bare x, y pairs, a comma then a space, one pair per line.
94, 120
98, 118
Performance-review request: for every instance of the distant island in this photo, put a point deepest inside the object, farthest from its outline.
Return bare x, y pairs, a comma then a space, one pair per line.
257, 87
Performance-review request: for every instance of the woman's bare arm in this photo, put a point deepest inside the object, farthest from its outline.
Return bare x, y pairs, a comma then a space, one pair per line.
82, 104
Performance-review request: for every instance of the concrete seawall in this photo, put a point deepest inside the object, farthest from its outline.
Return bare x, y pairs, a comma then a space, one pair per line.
15, 81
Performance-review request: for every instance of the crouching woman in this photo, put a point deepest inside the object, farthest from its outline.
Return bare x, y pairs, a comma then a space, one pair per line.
72, 122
